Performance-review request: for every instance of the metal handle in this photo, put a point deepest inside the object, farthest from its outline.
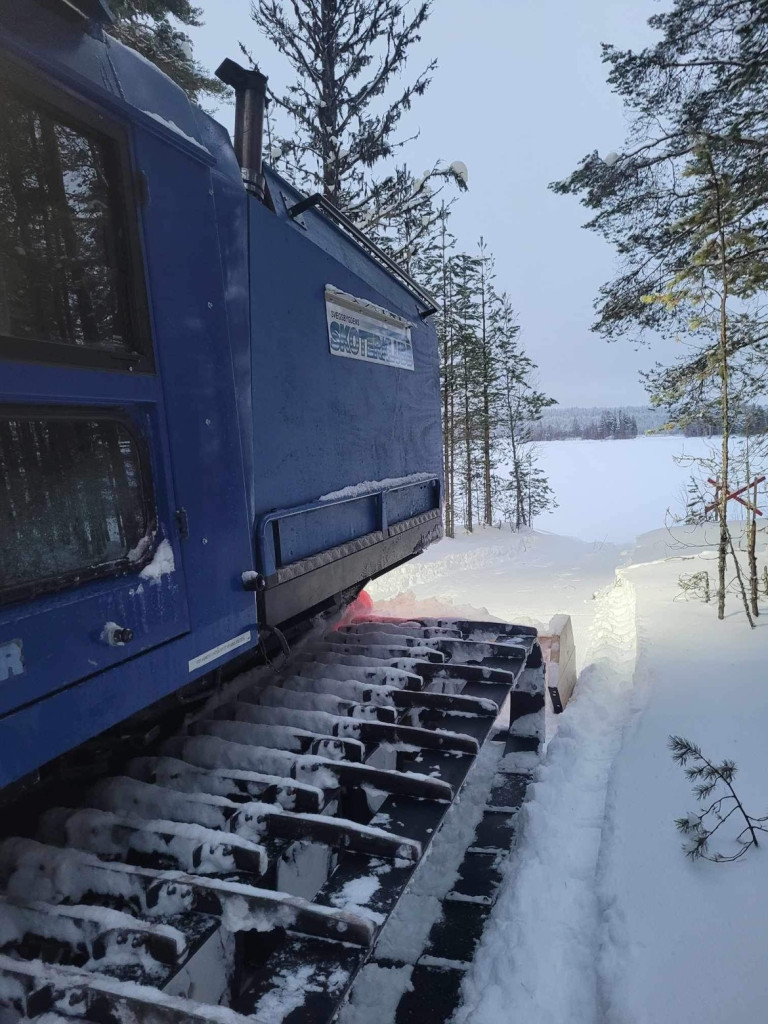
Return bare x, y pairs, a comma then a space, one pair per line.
116, 636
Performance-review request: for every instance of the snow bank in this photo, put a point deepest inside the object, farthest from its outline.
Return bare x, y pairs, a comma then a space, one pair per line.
547, 917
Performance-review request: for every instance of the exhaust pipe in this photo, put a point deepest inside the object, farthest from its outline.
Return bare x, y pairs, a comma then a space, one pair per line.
250, 102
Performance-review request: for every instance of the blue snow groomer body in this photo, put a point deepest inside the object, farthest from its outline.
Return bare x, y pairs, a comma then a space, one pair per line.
194, 361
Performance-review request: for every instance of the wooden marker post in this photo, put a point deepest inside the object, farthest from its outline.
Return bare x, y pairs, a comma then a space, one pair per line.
750, 503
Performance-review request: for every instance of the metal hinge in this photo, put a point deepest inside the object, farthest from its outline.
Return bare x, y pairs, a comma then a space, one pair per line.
182, 523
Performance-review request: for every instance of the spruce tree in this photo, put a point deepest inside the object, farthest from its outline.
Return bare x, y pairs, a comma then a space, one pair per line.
152, 28
526, 492
344, 106
434, 268
409, 227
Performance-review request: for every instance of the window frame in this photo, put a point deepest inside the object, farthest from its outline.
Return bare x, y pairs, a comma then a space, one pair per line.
80, 116
29, 590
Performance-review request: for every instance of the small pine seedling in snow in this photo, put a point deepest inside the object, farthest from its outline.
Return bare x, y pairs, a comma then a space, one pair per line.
700, 826
695, 585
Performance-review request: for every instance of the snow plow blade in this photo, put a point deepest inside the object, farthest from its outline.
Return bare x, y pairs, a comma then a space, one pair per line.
291, 823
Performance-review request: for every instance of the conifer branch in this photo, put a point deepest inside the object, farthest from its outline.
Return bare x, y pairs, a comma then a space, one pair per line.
699, 828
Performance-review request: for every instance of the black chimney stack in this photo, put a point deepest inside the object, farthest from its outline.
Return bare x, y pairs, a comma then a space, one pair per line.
250, 101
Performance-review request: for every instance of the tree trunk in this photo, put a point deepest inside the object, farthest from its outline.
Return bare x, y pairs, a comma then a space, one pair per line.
469, 513
517, 474
754, 582
722, 549
328, 113
753, 579
447, 315
488, 502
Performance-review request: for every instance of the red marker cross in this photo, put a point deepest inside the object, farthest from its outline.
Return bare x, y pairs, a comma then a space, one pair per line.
736, 495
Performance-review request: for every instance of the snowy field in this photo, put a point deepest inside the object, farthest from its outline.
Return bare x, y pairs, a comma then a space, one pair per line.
602, 918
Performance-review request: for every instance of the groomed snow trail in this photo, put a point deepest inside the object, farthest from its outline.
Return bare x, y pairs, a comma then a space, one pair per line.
537, 960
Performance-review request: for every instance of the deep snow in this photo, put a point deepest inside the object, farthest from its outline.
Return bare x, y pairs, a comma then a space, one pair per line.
684, 941
602, 918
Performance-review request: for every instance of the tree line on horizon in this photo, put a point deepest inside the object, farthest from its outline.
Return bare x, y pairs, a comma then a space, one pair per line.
613, 424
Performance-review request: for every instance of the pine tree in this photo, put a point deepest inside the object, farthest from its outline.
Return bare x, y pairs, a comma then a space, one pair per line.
467, 317
541, 497
526, 492
719, 801
434, 267
488, 373
410, 226
149, 27
685, 205
348, 57
482, 369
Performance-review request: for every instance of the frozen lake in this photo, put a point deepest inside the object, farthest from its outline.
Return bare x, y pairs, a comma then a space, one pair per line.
615, 490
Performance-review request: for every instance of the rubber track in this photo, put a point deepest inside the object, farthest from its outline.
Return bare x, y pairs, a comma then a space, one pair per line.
243, 869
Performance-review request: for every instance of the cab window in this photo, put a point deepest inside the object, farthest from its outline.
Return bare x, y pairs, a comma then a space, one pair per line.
65, 272
75, 499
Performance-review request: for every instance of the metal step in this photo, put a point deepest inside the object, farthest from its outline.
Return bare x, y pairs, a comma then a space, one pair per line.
256, 856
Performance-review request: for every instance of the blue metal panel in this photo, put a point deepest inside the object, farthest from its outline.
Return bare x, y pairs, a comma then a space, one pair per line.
323, 527
336, 243
39, 732
192, 336
406, 502
231, 211
320, 422
289, 535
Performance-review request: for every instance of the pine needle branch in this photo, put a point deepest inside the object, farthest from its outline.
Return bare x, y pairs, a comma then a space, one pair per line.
699, 827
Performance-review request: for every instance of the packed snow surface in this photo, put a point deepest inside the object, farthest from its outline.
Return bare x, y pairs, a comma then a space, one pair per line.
548, 910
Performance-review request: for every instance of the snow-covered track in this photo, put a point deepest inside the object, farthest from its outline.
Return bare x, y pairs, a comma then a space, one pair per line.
246, 865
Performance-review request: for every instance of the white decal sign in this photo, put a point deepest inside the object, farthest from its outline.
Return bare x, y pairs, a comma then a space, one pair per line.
361, 330
217, 652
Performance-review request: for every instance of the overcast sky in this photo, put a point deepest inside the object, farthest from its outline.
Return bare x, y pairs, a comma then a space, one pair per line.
520, 96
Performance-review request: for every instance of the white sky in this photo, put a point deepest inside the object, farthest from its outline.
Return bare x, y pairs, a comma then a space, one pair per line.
520, 96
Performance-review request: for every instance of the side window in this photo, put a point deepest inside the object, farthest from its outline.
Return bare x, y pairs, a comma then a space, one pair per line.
65, 273
75, 499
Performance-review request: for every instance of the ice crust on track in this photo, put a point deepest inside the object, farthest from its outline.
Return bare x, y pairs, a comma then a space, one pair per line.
537, 959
